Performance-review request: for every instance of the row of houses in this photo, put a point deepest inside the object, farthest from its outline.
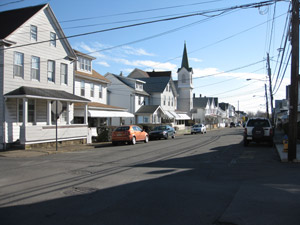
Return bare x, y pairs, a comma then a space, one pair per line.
49, 91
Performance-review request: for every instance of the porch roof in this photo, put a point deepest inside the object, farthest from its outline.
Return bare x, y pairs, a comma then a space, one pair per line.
41, 93
149, 109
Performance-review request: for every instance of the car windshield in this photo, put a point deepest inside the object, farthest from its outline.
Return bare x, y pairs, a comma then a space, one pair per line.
122, 129
258, 123
160, 128
196, 126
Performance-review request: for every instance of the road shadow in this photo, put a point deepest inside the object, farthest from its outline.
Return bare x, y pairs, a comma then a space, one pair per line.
203, 188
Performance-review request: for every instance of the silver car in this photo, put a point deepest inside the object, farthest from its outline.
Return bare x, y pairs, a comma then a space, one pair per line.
198, 128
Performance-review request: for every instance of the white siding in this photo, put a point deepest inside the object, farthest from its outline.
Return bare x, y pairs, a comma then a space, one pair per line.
87, 85
43, 50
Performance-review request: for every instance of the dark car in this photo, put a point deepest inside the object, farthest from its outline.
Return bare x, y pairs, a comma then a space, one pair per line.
164, 131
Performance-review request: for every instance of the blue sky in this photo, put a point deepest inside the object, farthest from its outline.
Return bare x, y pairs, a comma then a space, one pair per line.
215, 43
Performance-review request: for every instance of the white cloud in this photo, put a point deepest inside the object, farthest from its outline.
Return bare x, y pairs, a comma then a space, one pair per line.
90, 50
102, 63
136, 51
147, 64
195, 60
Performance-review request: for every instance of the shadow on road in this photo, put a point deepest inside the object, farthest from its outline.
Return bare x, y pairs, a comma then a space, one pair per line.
228, 184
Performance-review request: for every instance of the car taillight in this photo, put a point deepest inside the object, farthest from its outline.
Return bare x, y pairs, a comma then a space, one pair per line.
127, 132
271, 132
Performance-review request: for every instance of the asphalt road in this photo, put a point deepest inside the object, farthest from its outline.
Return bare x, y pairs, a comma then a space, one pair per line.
194, 179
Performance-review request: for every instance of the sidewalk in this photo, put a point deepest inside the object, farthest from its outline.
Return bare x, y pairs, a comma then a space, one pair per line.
21, 153
278, 142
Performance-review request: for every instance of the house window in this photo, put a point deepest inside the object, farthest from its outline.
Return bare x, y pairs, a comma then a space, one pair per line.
82, 91
172, 104
165, 100
169, 101
146, 119
31, 110
35, 68
18, 64
52, 39
85, 64
20, 110
33, 33
92, 90
63, 73
100, 91
51, 70
140, 100
64, 114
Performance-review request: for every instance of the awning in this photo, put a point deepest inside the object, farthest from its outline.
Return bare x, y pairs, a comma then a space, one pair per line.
169, 115
180, 116
104, 114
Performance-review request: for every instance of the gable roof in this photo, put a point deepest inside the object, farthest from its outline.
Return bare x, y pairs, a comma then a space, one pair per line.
83, 54
11, 23
23, 15
155, 84
202, 101
93, 75
148, 109
128, 82
138, 73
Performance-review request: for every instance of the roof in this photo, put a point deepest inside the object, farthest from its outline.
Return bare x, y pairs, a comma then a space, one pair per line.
160, 73
202, 101
11, 23
137, 73
155, 84
147, 109
42, 93
94, 75
185, 60
223, 105
129, 82
83, 54
98, 105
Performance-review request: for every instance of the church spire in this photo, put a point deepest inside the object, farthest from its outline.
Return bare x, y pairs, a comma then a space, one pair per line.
185, 60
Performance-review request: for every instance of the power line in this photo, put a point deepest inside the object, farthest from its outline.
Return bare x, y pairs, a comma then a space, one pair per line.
251, 5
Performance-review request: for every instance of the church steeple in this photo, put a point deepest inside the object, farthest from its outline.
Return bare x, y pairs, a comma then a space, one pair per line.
185, 60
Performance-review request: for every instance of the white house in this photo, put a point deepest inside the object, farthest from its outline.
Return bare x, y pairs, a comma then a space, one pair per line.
93, 86
128, 93
36, 80
163, 92
206, 110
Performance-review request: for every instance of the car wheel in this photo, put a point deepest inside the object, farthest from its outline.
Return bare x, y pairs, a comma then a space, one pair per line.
271, 144
114, 143
192, 133
258, 132
246, 142
173, 136
133, 142
146, 139
166, 137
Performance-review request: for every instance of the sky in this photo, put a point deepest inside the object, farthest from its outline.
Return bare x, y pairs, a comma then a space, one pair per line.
225, 48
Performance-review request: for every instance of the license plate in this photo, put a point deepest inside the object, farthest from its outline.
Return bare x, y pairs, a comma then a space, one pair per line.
249, 138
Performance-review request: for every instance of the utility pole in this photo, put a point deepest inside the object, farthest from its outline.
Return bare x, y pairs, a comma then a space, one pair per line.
267, 104
270, 84
293, 92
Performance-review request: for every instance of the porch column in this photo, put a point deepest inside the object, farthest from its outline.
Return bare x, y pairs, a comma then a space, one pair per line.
86, 114
68, 113
48, 112
25, 111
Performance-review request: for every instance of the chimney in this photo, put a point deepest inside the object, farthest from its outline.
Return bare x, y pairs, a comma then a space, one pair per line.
200, 95
194, 95
121, 74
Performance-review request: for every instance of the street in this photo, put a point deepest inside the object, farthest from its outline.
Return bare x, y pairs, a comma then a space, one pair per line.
192, 179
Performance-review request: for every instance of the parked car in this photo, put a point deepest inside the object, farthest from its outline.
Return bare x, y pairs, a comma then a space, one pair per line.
232, 124
165, 132
258, 130
198, 128
130, 134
